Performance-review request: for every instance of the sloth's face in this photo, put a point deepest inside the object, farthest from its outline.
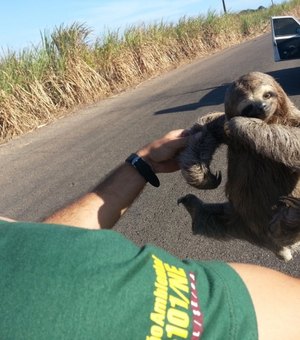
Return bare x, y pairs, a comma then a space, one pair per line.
254, 95
260, 103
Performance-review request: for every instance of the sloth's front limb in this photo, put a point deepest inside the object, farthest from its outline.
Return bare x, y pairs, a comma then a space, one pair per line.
278, 142
195, 160
206, 136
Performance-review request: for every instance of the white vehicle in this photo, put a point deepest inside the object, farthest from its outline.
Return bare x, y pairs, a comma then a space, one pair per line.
286, 37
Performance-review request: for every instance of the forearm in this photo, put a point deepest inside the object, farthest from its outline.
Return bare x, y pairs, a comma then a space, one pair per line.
102, 208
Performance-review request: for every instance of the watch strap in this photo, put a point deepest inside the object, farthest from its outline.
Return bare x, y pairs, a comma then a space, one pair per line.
144, 169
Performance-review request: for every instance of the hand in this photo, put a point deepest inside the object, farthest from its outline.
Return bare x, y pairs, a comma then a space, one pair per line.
161, 154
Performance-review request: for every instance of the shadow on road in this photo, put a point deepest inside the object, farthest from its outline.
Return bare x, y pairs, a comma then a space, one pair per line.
213, 97
289, 79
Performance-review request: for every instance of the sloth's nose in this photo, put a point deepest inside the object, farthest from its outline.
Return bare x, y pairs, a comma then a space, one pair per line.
261, 106
255, 109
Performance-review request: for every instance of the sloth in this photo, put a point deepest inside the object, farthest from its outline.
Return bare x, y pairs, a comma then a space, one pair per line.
261, 128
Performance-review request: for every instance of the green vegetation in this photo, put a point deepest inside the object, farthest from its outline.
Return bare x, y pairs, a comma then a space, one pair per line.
38, 85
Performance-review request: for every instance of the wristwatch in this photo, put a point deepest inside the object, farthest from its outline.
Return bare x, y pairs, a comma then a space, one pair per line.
143, 168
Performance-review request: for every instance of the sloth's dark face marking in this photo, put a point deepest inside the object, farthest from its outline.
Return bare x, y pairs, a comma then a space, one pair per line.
260, 102
255, 110
261, 107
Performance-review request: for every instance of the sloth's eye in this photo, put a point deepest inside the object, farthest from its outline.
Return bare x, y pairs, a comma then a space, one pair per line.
268, 95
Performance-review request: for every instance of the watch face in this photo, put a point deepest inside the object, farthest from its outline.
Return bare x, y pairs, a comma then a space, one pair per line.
135, 160
132, 158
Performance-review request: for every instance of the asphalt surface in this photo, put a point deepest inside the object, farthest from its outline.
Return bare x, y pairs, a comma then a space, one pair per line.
46, 169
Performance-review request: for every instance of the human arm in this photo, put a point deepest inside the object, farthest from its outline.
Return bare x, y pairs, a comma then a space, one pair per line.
6, 219
277, 309
103, 206
274, 141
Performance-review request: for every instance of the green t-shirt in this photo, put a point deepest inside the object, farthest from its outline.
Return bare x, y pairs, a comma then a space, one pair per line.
59, 282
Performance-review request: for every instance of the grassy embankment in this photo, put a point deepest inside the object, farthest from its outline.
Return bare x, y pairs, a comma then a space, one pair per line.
39, 84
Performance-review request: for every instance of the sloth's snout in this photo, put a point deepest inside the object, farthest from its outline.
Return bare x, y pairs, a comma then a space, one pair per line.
255, 110
261, 110
261, 106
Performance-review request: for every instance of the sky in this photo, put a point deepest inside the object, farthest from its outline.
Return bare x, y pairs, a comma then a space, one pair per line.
23, 21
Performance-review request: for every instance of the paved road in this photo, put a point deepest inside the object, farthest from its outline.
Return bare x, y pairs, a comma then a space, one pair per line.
50, 167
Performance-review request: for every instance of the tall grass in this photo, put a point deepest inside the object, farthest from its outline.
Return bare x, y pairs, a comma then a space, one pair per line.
39, 84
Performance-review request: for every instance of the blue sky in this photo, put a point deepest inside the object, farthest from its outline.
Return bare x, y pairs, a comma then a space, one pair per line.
21, 22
